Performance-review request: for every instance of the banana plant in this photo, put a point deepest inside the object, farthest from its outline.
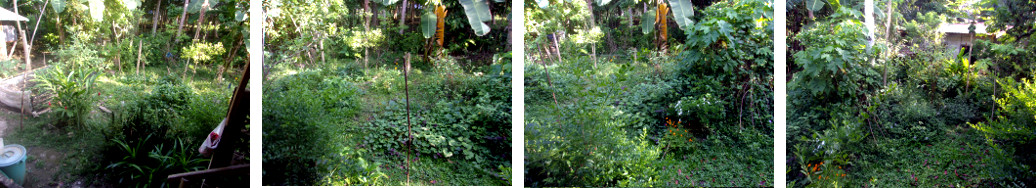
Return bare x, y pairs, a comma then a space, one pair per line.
662, 20
682, 11
478, 13
433, 25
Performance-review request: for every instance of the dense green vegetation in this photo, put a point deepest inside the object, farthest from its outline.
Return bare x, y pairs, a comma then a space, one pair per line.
154, 128
694, 109
125, 90
340, 107
913, 109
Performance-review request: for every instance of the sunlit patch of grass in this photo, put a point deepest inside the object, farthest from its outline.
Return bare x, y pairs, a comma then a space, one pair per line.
429, 171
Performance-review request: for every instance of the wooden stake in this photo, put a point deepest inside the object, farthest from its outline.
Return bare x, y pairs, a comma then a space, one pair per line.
409, 140
140, 50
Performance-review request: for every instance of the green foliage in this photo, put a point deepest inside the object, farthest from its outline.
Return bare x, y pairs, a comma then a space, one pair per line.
478, 13
468, 128
814, 5
683, 10
929, 122
353, 170
726, 65
297, 110
74, 95
9, 67
428, 24
347, 116
1016, 120
833, 63
202, 52
586, 145
82, 55
652, 118
924, 30
647, 22
149, 168
145, 145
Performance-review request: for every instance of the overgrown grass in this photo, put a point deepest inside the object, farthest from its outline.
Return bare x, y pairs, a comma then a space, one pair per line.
343, 124
609, 128
84, 146
938, 120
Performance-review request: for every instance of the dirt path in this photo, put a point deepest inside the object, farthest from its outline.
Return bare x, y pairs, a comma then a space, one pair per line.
43, 165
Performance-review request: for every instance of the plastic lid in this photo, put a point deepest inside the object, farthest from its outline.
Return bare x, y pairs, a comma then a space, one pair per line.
11, 154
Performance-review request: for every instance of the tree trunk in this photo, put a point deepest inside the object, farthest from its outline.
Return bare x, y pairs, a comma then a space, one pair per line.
183, 18
25, 44
226, 64
25, 47
888, 32
61, 30
402, 19
593, 46
154, 19
366, 29
201, 18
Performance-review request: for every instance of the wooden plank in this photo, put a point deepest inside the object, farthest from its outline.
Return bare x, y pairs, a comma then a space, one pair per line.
209, 173
237, 115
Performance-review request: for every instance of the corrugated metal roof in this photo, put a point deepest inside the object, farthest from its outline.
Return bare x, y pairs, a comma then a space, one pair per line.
980, 28
7, 15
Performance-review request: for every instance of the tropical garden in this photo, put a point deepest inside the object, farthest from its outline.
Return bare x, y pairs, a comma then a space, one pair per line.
386, 92
911, 93
122, 92
642, 93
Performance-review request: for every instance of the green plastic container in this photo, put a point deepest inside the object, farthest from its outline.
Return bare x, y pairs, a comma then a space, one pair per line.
12, 162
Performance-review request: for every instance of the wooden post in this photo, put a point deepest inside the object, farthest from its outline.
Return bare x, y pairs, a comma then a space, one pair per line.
406, 91
25, 47
3, 44
140, 51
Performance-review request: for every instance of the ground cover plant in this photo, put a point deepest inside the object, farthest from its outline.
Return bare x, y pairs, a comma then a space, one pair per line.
387, 93
905, 102
115, 99
681, 99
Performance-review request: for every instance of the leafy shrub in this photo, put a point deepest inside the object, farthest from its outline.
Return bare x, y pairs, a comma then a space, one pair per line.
819, 155
353, 169
586, 145
81, 55
142, 150
9, 67
203, 112
74, 95
833, 63
202, 52
472, 124
296, 112
726, 65
1016, 119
